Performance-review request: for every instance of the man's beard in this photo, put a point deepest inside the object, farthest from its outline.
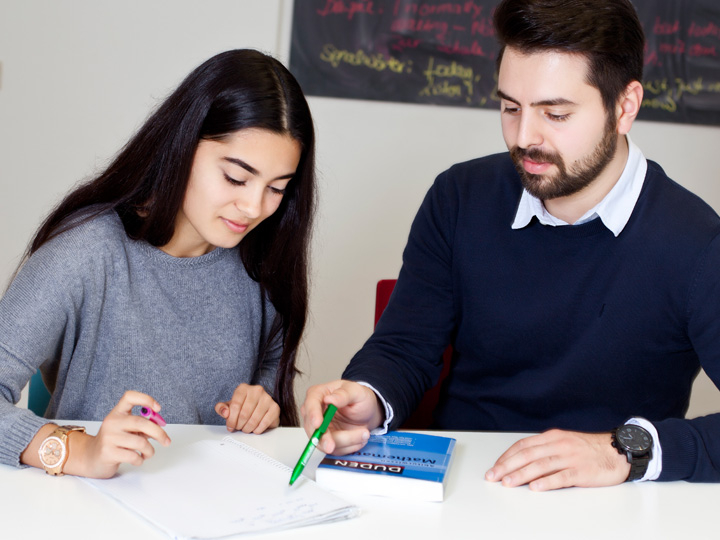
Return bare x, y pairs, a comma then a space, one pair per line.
565, 182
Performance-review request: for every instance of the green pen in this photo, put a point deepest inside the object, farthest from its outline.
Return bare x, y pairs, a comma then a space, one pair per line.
312, 444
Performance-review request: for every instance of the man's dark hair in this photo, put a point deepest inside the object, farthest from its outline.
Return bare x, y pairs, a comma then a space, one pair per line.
607, 32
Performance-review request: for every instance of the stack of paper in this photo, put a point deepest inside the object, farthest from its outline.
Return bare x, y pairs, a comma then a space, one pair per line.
220, 488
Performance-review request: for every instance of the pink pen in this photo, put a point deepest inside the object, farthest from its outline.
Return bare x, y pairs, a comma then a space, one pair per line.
152, 416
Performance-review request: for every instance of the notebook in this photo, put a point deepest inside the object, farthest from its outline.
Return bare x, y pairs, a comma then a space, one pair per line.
217, 488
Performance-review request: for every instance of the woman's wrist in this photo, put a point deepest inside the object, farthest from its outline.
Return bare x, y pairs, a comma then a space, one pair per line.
77, 463
30, 455
76, 448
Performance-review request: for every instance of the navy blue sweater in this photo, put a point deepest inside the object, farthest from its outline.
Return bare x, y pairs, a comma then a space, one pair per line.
555, 327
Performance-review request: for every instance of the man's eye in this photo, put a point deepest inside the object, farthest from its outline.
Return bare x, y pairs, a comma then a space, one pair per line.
558, 117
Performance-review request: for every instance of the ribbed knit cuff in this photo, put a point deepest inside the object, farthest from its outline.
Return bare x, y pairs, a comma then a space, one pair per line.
19, 436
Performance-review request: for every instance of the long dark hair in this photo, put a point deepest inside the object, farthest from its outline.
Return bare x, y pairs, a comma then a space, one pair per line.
146, 183
607, 32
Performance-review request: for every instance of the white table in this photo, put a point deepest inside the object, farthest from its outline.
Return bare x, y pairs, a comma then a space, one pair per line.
34, 505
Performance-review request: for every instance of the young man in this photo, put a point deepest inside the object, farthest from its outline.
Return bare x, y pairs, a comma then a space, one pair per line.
578, 285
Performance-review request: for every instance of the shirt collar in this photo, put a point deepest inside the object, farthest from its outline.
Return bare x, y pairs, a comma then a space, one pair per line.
614, 210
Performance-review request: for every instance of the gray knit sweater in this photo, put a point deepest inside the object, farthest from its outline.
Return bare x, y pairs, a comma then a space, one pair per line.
100, 314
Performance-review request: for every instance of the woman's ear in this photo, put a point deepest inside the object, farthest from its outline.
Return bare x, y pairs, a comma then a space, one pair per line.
628, 107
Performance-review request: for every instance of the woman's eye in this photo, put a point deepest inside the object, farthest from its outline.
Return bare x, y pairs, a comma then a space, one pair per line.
233, 181
277, 191
510, 110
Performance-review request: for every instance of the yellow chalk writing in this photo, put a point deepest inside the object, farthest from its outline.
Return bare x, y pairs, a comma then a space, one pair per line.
664, 94
452, 80
375, 61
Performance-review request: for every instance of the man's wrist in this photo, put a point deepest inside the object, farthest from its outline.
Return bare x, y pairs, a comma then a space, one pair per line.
383, 407
655, 464
619, 461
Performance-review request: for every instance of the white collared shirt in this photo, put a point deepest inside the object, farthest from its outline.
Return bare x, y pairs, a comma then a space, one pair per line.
614, 210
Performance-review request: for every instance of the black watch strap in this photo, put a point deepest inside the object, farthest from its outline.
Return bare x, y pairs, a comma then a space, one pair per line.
638, 467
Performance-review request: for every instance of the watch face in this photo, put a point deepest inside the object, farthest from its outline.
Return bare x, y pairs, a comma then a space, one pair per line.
634, 438
52, 452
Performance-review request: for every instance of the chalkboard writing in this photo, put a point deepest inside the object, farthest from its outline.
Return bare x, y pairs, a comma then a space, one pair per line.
443, 53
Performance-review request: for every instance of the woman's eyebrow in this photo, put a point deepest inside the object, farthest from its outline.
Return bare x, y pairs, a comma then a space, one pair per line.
249, 168
252, 170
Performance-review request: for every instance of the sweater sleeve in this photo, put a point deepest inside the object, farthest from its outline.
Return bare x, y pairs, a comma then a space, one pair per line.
691, 447
34, 315
403, 357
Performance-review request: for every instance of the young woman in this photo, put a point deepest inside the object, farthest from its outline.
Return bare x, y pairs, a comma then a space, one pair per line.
178, 277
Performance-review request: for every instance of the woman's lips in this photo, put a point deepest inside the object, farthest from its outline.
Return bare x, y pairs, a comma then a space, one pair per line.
234, 226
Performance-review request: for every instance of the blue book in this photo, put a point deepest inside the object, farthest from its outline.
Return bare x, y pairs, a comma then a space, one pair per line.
397, 464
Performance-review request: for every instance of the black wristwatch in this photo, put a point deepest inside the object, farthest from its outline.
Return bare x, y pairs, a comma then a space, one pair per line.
636, 443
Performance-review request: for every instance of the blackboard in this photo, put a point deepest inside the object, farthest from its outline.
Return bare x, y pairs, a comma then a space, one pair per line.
443, 53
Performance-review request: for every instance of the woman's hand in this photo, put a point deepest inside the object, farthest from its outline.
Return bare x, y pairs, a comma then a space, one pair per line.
122, 438
251, 410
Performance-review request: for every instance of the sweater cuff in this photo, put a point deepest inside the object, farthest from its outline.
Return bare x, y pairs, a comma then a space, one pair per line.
679, 448
18, 437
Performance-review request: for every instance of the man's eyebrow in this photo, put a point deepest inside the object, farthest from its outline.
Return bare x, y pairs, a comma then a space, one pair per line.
252, 170
543, 103
504, 96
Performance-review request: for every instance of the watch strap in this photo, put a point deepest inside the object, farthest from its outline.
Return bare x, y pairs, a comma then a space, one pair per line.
638, 467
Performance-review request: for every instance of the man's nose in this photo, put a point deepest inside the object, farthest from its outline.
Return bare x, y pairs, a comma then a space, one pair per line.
529, 131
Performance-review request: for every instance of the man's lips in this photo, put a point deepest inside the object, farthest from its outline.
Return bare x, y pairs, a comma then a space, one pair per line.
235, 226
534, 167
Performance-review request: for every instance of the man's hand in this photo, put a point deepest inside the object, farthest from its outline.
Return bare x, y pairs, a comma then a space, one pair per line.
358, 412
557, 459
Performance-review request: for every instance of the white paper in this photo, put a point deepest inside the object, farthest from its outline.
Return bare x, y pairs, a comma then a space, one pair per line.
220, 488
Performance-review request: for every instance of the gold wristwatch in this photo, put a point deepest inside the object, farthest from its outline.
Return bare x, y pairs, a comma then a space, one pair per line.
54, 450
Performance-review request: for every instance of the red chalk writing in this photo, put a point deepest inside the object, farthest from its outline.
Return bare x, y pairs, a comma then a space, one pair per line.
663, 28
425, 9
704, 30
348, 9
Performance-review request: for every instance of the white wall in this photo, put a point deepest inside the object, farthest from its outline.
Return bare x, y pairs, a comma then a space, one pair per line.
77, 77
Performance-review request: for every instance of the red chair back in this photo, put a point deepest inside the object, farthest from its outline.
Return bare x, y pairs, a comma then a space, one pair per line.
422, 417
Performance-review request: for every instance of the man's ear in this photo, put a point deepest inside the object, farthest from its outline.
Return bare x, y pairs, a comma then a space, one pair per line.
628, 107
